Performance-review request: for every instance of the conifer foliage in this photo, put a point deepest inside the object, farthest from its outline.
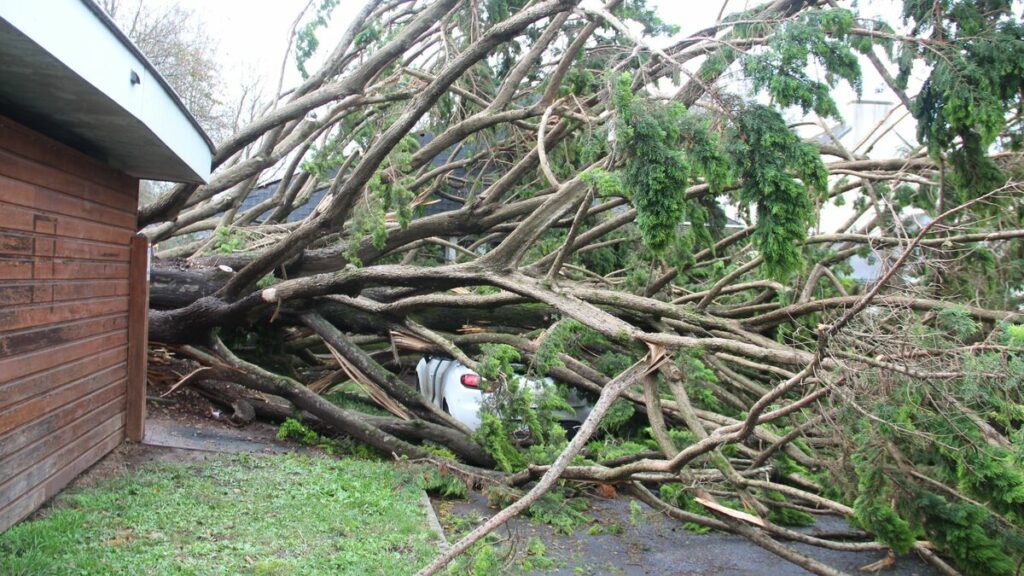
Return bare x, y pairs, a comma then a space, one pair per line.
540, 189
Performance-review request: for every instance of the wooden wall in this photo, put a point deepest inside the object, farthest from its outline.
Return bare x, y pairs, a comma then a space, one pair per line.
66, 229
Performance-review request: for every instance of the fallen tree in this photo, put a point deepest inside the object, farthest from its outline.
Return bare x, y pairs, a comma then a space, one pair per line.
509, 182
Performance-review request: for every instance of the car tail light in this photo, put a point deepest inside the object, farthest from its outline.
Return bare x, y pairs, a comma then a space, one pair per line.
470, 380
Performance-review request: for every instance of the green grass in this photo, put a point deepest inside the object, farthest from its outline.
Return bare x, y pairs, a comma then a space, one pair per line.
266, 515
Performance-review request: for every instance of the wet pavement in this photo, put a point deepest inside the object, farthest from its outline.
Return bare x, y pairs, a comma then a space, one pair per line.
617, 540
643, 542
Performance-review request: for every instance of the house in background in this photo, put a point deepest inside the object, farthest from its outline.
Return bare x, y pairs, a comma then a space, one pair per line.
83, 116
458, 183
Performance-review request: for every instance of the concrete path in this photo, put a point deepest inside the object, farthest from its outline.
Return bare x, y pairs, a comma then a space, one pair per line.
176, 434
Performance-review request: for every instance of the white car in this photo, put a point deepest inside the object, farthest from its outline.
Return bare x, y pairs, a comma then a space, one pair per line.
459, 391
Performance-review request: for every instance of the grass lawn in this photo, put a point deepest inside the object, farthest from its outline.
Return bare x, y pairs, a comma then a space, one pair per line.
281, 514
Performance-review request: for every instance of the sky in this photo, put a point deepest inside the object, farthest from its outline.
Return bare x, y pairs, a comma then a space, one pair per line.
252, 37
252, 34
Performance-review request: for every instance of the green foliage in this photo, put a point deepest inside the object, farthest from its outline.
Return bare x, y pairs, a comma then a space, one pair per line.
638, 277
872, 508
957, 321
385, 194
438, 450
865, 43
977, 75
229, 240
490, 557
705, 152
486, 562
548, 243
665, 148
496, 361
352, 396
306, 41
321, 160
562, 512
566, 336
963, 531
885, 524
513, 411
559, 507
606, 183
710, 163
767, 152
1015, 334
994, 476
610, 447
786, 516
790, 517
612, 363
495, 436
535, 556
267, 281
619, 415
608, 259
934, 427
656, 173
292, 429
579, 81
781, 69
680, 497
555, 342
988, 274
367, 36
689, 361
481, 559
697, 380
784, 465
636, 513
443, 484
498, 10
637, 11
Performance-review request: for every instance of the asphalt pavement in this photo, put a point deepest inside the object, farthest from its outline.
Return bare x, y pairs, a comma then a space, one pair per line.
643, 542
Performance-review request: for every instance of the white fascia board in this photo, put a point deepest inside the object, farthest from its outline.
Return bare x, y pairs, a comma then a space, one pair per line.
72, 33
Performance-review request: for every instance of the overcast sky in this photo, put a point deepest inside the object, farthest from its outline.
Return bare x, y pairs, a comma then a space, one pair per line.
252, 33
252, 36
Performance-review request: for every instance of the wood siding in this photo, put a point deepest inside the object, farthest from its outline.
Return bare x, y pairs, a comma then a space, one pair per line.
66, 229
